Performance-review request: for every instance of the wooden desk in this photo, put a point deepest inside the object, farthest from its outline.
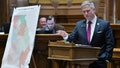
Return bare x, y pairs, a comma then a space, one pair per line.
116, 58
81, 55
40, 52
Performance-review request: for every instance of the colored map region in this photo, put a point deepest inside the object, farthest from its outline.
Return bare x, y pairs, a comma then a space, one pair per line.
20, 41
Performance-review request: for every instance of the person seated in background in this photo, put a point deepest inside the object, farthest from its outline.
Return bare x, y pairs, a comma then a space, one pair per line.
51, 26
1, 29
5, 28
41, 26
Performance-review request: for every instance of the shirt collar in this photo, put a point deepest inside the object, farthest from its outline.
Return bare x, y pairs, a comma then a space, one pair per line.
93, 20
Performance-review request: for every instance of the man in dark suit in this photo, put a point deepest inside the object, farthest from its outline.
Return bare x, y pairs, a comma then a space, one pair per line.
52, 26
93, 31
41, 25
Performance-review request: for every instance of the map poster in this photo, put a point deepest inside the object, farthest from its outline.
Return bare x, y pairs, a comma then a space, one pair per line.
20, 42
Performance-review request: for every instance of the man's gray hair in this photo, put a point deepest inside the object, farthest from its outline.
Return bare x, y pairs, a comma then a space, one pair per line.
90, 3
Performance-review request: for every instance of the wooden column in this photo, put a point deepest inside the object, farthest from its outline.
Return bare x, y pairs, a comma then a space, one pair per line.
4, 13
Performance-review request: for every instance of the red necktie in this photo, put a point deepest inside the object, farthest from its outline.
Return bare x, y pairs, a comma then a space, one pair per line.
89, 31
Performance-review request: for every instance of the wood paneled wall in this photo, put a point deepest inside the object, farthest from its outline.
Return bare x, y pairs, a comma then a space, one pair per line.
6, 7
4, 13
118, 9
64, 13
49, 1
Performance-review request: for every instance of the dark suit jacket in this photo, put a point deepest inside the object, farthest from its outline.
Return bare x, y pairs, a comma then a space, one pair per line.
102, 37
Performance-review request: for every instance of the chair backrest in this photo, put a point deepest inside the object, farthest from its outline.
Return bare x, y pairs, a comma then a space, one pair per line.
6, 27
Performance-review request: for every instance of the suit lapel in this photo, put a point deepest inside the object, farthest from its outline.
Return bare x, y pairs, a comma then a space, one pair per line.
83, 26
97, 27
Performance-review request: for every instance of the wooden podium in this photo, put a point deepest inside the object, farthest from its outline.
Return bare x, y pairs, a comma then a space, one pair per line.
72, 55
